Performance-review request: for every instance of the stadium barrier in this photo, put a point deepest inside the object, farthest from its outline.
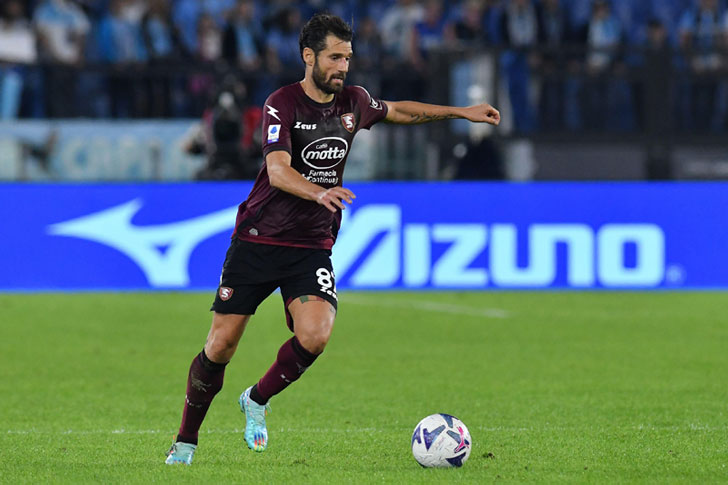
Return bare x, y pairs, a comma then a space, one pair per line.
396, 236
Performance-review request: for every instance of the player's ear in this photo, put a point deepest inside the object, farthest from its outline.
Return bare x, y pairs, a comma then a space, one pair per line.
309, 56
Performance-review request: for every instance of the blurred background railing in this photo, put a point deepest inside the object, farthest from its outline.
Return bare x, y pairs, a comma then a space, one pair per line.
131, 89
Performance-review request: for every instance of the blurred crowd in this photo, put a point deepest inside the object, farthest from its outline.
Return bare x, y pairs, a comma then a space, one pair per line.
165, 58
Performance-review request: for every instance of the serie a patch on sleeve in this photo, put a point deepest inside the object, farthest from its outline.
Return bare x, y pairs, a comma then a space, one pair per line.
274, 132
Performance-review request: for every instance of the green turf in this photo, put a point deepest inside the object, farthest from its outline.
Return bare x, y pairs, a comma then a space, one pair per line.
555, 387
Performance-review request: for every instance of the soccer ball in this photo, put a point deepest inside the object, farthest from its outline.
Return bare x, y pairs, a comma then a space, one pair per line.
441, 441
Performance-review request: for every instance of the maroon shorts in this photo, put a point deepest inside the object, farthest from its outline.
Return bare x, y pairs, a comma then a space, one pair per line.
253, 271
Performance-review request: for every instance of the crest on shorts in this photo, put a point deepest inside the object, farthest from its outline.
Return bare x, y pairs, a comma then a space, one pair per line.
225, 293
349, 122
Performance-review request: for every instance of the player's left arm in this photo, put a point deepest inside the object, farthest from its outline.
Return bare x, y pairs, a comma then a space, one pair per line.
413, 112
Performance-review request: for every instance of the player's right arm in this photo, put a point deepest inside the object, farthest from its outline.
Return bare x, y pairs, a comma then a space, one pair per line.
284, 177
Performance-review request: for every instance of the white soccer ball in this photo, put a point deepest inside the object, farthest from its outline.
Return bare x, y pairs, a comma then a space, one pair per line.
441, 441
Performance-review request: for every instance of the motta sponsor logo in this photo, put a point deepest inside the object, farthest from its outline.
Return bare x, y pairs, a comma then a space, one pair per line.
325, 153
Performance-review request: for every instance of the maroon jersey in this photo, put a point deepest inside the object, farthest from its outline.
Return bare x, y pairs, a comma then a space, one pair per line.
318, 137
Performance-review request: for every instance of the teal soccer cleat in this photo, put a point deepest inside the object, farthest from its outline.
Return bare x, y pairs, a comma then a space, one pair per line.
256, 433
180, 453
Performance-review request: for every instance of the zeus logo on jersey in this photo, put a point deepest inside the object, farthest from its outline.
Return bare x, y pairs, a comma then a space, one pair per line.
274, 133
325, 153
304, 126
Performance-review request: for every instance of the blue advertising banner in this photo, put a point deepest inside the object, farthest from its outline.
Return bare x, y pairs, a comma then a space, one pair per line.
395, 236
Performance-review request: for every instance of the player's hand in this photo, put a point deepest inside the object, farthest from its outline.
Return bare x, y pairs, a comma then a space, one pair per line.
482, 113
333, 198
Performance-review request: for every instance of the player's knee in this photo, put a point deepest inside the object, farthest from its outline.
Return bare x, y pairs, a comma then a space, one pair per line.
315, 341
220, 349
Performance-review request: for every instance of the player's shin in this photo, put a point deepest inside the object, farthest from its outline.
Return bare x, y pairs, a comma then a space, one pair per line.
203, 383
291, 363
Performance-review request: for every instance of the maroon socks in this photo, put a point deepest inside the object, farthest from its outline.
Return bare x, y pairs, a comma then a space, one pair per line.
291, 362
206, 377
204, 381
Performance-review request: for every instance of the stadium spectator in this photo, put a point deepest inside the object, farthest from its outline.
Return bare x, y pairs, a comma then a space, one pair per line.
471, 29
187, 15
17, 50
282, 40
122, 45
61, 29
208, 51
162, 39
579, 13
700, 36
604, 38
431, 33
519, 26
345, 9
282, 51
165, 49
558, 86
368, 49
721, 116
608, 99
209, 39
553, 27
120, 34
396, 27
219, 10
243, 38
374, 9
668, 13
369, 57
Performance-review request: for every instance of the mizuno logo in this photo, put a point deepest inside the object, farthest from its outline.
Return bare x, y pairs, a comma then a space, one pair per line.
273, 112
478, 255
376, 248
161, 251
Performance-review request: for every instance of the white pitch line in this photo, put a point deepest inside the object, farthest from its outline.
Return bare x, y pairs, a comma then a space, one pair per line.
171, 432
428, 306
492, 429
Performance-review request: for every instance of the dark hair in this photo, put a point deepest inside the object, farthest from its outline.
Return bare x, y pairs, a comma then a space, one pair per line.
313, 34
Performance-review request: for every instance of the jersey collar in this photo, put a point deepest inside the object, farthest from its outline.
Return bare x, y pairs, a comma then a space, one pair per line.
312, 102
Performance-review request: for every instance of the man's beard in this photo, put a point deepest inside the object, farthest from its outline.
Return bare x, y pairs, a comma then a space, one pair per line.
328, 87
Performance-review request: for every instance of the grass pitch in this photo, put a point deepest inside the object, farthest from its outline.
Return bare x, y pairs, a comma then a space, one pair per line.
555, 387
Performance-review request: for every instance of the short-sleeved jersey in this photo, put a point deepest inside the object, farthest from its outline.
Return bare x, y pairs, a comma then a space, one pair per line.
318, 137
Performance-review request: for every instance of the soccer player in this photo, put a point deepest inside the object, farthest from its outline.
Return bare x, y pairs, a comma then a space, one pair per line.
285, 229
